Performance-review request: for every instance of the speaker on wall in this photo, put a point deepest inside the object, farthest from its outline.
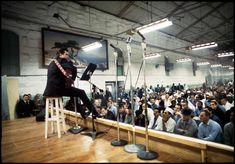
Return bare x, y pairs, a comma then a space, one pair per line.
156, 65
168, 66
194, 66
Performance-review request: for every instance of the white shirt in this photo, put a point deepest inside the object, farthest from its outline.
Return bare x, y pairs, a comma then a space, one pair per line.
150, 114
170, 125
227, 106
152, 121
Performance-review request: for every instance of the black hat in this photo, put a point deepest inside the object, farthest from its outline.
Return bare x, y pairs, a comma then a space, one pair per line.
186, 112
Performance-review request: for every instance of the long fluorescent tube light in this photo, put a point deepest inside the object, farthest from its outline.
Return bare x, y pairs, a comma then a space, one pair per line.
216, 65
205, 45
231, 68
154, 26
203, 63
225, 54
152, 55
183, 60
92, 46
226, 66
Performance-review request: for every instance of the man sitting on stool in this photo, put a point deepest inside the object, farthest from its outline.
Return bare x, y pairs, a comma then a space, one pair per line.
56, 81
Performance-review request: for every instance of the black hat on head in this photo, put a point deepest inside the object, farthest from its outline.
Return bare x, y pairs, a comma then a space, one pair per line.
186, 112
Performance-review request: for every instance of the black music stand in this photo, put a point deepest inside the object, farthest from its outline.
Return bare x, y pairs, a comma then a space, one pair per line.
88, 72
86, 76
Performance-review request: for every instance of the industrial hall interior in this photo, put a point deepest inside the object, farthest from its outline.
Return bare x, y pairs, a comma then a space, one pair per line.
117, 81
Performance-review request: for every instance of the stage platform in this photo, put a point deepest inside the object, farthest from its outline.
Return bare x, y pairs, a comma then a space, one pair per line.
23, 141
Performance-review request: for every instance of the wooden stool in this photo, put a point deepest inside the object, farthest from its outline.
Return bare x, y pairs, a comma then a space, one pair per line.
54, 106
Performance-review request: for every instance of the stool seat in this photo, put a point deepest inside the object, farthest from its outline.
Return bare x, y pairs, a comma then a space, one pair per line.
54, 106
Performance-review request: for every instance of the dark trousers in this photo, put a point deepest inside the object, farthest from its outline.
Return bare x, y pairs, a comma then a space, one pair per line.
75, 92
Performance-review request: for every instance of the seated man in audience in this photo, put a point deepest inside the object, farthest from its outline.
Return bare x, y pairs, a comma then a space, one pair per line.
121, 112
208, 129
199, 108
24, 107
212, 116
152, 103
153, 122
105, 113
111, 107
140, 114
224, 101
186, 126
229, 129
128, 116
167, 123
218, 111
178, 112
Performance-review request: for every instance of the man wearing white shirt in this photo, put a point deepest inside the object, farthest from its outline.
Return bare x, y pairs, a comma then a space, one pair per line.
166, 123
150, 115
154, 121
225, 103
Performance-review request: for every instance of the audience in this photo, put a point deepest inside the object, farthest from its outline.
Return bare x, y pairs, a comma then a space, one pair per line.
205, 112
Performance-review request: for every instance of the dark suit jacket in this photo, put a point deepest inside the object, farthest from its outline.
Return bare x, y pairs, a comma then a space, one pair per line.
24, 109
56, 79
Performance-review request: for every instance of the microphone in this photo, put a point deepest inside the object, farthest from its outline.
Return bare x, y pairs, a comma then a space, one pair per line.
142, 36
113, 46
129, 39
118, 50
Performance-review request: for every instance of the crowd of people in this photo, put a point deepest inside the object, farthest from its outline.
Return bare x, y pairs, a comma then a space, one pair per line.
206, 112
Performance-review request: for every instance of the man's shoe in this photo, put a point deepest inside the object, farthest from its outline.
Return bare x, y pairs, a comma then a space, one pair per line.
82, 111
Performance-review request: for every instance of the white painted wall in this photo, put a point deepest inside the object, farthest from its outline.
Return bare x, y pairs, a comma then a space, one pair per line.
26, 18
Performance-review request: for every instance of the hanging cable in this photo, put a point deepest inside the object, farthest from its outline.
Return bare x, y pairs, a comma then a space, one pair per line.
139, 74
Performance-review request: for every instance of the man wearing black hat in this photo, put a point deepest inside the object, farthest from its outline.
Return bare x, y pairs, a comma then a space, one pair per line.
59, 84
186, 125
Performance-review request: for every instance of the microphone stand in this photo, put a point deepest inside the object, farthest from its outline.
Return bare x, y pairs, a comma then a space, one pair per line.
146, 155
76, 129
117, 142
92, 133
132, 148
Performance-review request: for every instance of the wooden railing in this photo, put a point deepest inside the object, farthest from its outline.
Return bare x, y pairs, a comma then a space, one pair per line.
188, 148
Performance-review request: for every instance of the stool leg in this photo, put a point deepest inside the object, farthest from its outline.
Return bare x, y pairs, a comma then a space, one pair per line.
57, 117
46, 117
52, 110
62, 115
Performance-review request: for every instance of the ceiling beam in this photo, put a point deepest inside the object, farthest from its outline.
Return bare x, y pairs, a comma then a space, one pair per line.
88, 5
125, 8
201, 19
191, 9
219, 25
223, 17
176, 9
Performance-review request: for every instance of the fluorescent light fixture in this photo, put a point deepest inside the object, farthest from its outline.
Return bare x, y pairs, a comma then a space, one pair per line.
225, 54
205, 45
154, 26
231, 68
152, 55
226, 66
203, 63
183, 60
92, 46
216, 65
